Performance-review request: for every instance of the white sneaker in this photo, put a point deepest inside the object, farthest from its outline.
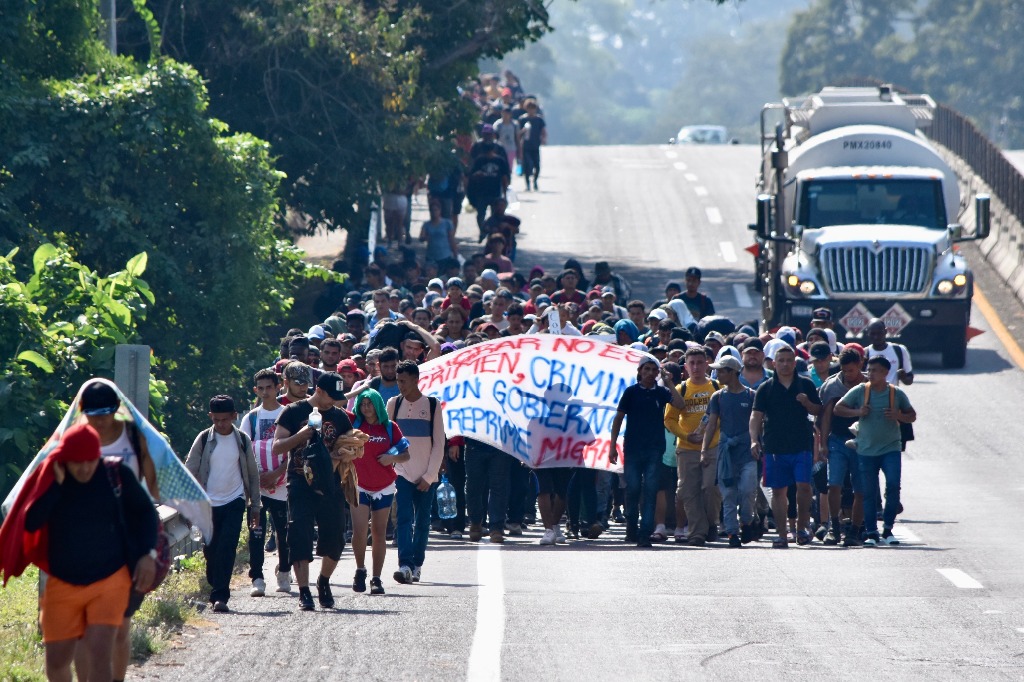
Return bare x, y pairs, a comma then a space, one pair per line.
284, 582
560, 537
549, 537
416, 574
259, 588
403, 575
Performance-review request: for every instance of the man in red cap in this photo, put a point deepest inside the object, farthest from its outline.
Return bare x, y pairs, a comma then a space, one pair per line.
67, 521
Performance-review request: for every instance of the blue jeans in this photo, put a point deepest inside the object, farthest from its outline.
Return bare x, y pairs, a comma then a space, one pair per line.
641, 470
740, 495
890, 464
412, 524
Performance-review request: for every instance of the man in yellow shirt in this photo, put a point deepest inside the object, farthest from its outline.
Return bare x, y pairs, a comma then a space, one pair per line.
696, 493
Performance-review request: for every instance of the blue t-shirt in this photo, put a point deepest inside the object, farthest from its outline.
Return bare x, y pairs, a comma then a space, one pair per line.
438, 247
645, 417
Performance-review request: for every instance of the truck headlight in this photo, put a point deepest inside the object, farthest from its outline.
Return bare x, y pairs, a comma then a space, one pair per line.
945, 287
805, 287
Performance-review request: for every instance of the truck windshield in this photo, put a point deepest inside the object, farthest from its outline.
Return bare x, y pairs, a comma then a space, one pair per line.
885, 201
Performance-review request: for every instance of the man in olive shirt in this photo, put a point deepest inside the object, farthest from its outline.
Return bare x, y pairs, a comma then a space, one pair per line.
781, 409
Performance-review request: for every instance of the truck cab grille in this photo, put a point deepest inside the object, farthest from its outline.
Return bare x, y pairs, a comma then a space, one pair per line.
860, 269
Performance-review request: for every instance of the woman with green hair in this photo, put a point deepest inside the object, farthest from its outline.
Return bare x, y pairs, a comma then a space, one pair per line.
375, 472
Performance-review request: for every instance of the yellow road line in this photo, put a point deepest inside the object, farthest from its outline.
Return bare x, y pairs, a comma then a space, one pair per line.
1001, 332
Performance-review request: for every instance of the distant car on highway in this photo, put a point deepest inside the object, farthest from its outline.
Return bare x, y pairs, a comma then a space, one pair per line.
702, 134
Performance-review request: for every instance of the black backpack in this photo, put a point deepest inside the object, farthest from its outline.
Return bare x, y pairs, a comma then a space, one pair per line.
318, 468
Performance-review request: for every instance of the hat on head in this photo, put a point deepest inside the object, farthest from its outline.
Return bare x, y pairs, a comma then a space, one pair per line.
347, 365
80, 443
317, 332
297, 372
99, 398
602, 266
454, 282
787, 334
222, 403
820, 351
830, 335
649, 360
857, 347
672, 284
692, 272
587, 326
331, 384
822, 315
487, 129
448, 348
489, 274
336, 324
430, 299
714, 336
596, 303
414, 337
475, 289
488, 295
659, 349
727, 362
487, 325
355, 313
437, 282
773, 346
657, 313
638, 345
607, 290
754, 343
543, 299
348, 338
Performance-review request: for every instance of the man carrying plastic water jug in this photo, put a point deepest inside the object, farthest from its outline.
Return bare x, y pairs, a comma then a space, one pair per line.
420, 419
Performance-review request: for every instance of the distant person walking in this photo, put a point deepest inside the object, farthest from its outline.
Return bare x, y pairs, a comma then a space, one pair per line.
534, 133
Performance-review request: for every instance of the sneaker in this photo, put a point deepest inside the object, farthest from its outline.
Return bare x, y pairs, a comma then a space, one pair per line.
376, 586
559, 537
323, 592
734, 540
513, 529
644, 542
871, 540
403, 575
359, 581
746, 533
455, 535
632, 533
549, 537
416, 574
348, 537
271, 545
284, 582
696, 541
305, 599
617, 516
475, 532
822, 532
221, 607
831, 537
888, 538
595, 530
803, 538
259, 588
437, 527
780, 542
497, 537
712, 533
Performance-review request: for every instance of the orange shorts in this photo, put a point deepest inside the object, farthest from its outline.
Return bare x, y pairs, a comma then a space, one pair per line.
66, 610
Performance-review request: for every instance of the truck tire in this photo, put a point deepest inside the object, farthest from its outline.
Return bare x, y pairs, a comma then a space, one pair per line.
954, 353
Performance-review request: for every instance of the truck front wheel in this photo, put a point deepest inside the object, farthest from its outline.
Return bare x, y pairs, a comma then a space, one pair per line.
954, 351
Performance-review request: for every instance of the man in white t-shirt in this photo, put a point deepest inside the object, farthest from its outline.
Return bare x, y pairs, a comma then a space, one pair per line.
900, 371
222, 460
259, 424
507, 133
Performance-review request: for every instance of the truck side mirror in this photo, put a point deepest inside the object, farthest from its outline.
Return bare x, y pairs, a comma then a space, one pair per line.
982, 216
764, 216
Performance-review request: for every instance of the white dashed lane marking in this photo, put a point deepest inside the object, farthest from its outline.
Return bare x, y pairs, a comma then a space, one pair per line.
728, 251
743, 299
679, 165
960, 579
714, 215
701, 191
671, 154
691, 177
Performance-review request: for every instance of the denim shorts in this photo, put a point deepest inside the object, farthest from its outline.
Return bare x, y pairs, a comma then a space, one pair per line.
841, 461
782, 471
382, 502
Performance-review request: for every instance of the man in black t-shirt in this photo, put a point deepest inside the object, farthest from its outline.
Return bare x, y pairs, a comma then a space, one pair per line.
534, 134
488, 178
643, 446
781, 409
305, 505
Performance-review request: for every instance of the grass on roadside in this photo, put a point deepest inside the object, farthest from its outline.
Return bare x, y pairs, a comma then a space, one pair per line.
21, 647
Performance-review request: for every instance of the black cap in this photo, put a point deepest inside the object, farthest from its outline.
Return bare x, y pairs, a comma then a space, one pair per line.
692, 272
355, 314
820, 350
222, 403
822, 315
673, 285
99, 398
752, 342
331, 384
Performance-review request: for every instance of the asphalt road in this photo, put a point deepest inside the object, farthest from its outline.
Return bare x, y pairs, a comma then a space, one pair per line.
948, 604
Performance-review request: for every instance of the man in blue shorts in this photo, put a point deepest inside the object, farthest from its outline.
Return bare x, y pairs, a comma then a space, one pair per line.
782, 407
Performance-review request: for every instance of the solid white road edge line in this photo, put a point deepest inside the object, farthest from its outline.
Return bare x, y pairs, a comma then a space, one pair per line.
960, 579
742, 296
485, 655
728, 251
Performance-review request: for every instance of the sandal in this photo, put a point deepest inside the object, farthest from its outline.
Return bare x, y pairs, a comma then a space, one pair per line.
780, 543
803, 537
658, 537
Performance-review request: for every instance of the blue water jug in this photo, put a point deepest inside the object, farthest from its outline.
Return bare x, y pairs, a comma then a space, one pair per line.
447, 506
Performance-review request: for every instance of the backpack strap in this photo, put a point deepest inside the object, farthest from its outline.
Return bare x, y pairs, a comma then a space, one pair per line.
252, 423
892, 397
867, 394
898, 349
433, 413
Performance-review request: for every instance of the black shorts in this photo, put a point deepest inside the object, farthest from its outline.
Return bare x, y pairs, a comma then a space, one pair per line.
306, 507
668, 478
555, 481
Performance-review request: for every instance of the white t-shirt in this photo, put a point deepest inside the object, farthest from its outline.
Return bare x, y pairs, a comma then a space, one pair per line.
889, 353
506, 133
122, 449
262, 445
225, 482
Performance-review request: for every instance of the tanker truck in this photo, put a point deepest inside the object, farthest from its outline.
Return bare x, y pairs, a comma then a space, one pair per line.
857, 212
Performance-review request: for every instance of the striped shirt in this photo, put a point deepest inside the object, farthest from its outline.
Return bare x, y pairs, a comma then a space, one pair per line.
413, 419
